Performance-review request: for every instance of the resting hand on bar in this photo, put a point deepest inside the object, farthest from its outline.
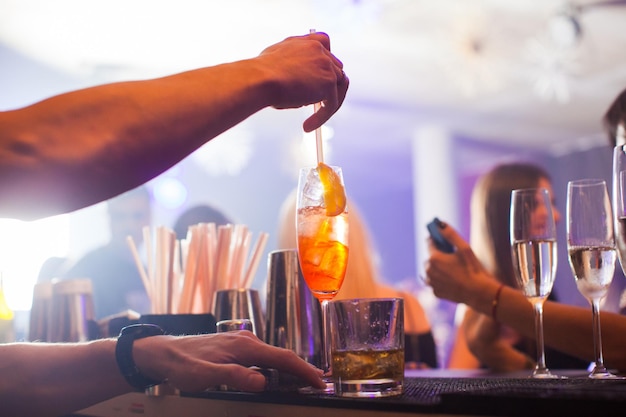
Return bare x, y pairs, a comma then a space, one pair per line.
42, 379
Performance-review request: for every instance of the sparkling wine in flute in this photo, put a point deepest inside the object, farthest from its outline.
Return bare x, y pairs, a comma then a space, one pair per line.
533, 248
593, 269
535, 264
591, 246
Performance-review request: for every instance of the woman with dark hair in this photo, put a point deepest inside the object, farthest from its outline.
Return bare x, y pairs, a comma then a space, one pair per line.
615, 120
481, 341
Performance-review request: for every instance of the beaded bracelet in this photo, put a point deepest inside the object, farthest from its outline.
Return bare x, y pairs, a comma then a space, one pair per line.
495, 302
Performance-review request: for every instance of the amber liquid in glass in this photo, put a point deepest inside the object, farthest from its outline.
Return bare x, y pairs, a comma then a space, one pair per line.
368, 364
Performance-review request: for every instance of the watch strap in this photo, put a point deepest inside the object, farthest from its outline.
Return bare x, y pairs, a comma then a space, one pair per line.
124, 353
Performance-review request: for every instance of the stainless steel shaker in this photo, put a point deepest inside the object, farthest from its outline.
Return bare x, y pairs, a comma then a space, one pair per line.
233, 325
38, 327
240, 303
72, 311
294, 317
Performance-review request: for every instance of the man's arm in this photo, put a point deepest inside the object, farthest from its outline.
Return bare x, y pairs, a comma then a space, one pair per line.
43, 379
82, 147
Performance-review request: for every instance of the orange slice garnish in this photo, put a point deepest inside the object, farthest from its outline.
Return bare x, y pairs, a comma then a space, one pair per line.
334, 193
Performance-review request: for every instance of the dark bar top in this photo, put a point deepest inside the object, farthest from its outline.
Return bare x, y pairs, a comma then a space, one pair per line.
431, 392
476, 395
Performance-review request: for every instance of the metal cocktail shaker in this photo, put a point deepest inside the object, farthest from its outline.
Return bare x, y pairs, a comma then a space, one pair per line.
233, 325
294, 318
39, 328
72, 311
240, 303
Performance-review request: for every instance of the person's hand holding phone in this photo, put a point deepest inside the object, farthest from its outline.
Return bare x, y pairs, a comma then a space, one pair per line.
454, 272
434, 229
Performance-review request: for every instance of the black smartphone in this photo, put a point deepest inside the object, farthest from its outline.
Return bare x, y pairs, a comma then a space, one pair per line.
441, 243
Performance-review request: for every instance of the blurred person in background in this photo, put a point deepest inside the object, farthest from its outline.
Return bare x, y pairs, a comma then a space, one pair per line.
117, 285
460, 277
53, 268
202, 213
363, 280
505, 349
614, 122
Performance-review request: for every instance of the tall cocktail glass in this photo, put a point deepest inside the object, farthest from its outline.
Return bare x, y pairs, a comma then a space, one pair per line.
322, 246
533, 242
592, 252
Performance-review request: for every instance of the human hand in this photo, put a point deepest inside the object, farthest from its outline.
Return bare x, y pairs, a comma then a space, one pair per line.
484, 335
457, 276
480, 330
494, 344
196, 363
307, 72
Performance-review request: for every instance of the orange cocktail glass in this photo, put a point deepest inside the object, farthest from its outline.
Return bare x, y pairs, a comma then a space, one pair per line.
323, 250
322, 231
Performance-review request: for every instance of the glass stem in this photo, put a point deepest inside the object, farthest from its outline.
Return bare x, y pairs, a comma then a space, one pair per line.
597, 337
541, 356
326, 339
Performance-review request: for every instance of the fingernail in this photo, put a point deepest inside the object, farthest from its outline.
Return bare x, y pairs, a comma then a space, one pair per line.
440, 224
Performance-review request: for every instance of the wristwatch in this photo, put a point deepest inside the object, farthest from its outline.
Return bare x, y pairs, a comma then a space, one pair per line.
124, 353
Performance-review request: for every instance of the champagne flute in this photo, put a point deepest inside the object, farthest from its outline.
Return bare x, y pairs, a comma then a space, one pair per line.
322, 246
533, 242
592, 253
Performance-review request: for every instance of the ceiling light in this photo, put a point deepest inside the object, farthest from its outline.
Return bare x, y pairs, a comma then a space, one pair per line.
551, 68
169, 192
565, 28
469, 55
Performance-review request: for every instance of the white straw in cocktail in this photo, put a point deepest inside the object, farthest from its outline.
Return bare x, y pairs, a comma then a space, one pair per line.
318, 131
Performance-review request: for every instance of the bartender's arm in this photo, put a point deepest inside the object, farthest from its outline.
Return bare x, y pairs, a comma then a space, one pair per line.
40, 379
83, 147
460, 277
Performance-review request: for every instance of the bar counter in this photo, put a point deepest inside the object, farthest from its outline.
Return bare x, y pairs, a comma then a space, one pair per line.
427, 393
